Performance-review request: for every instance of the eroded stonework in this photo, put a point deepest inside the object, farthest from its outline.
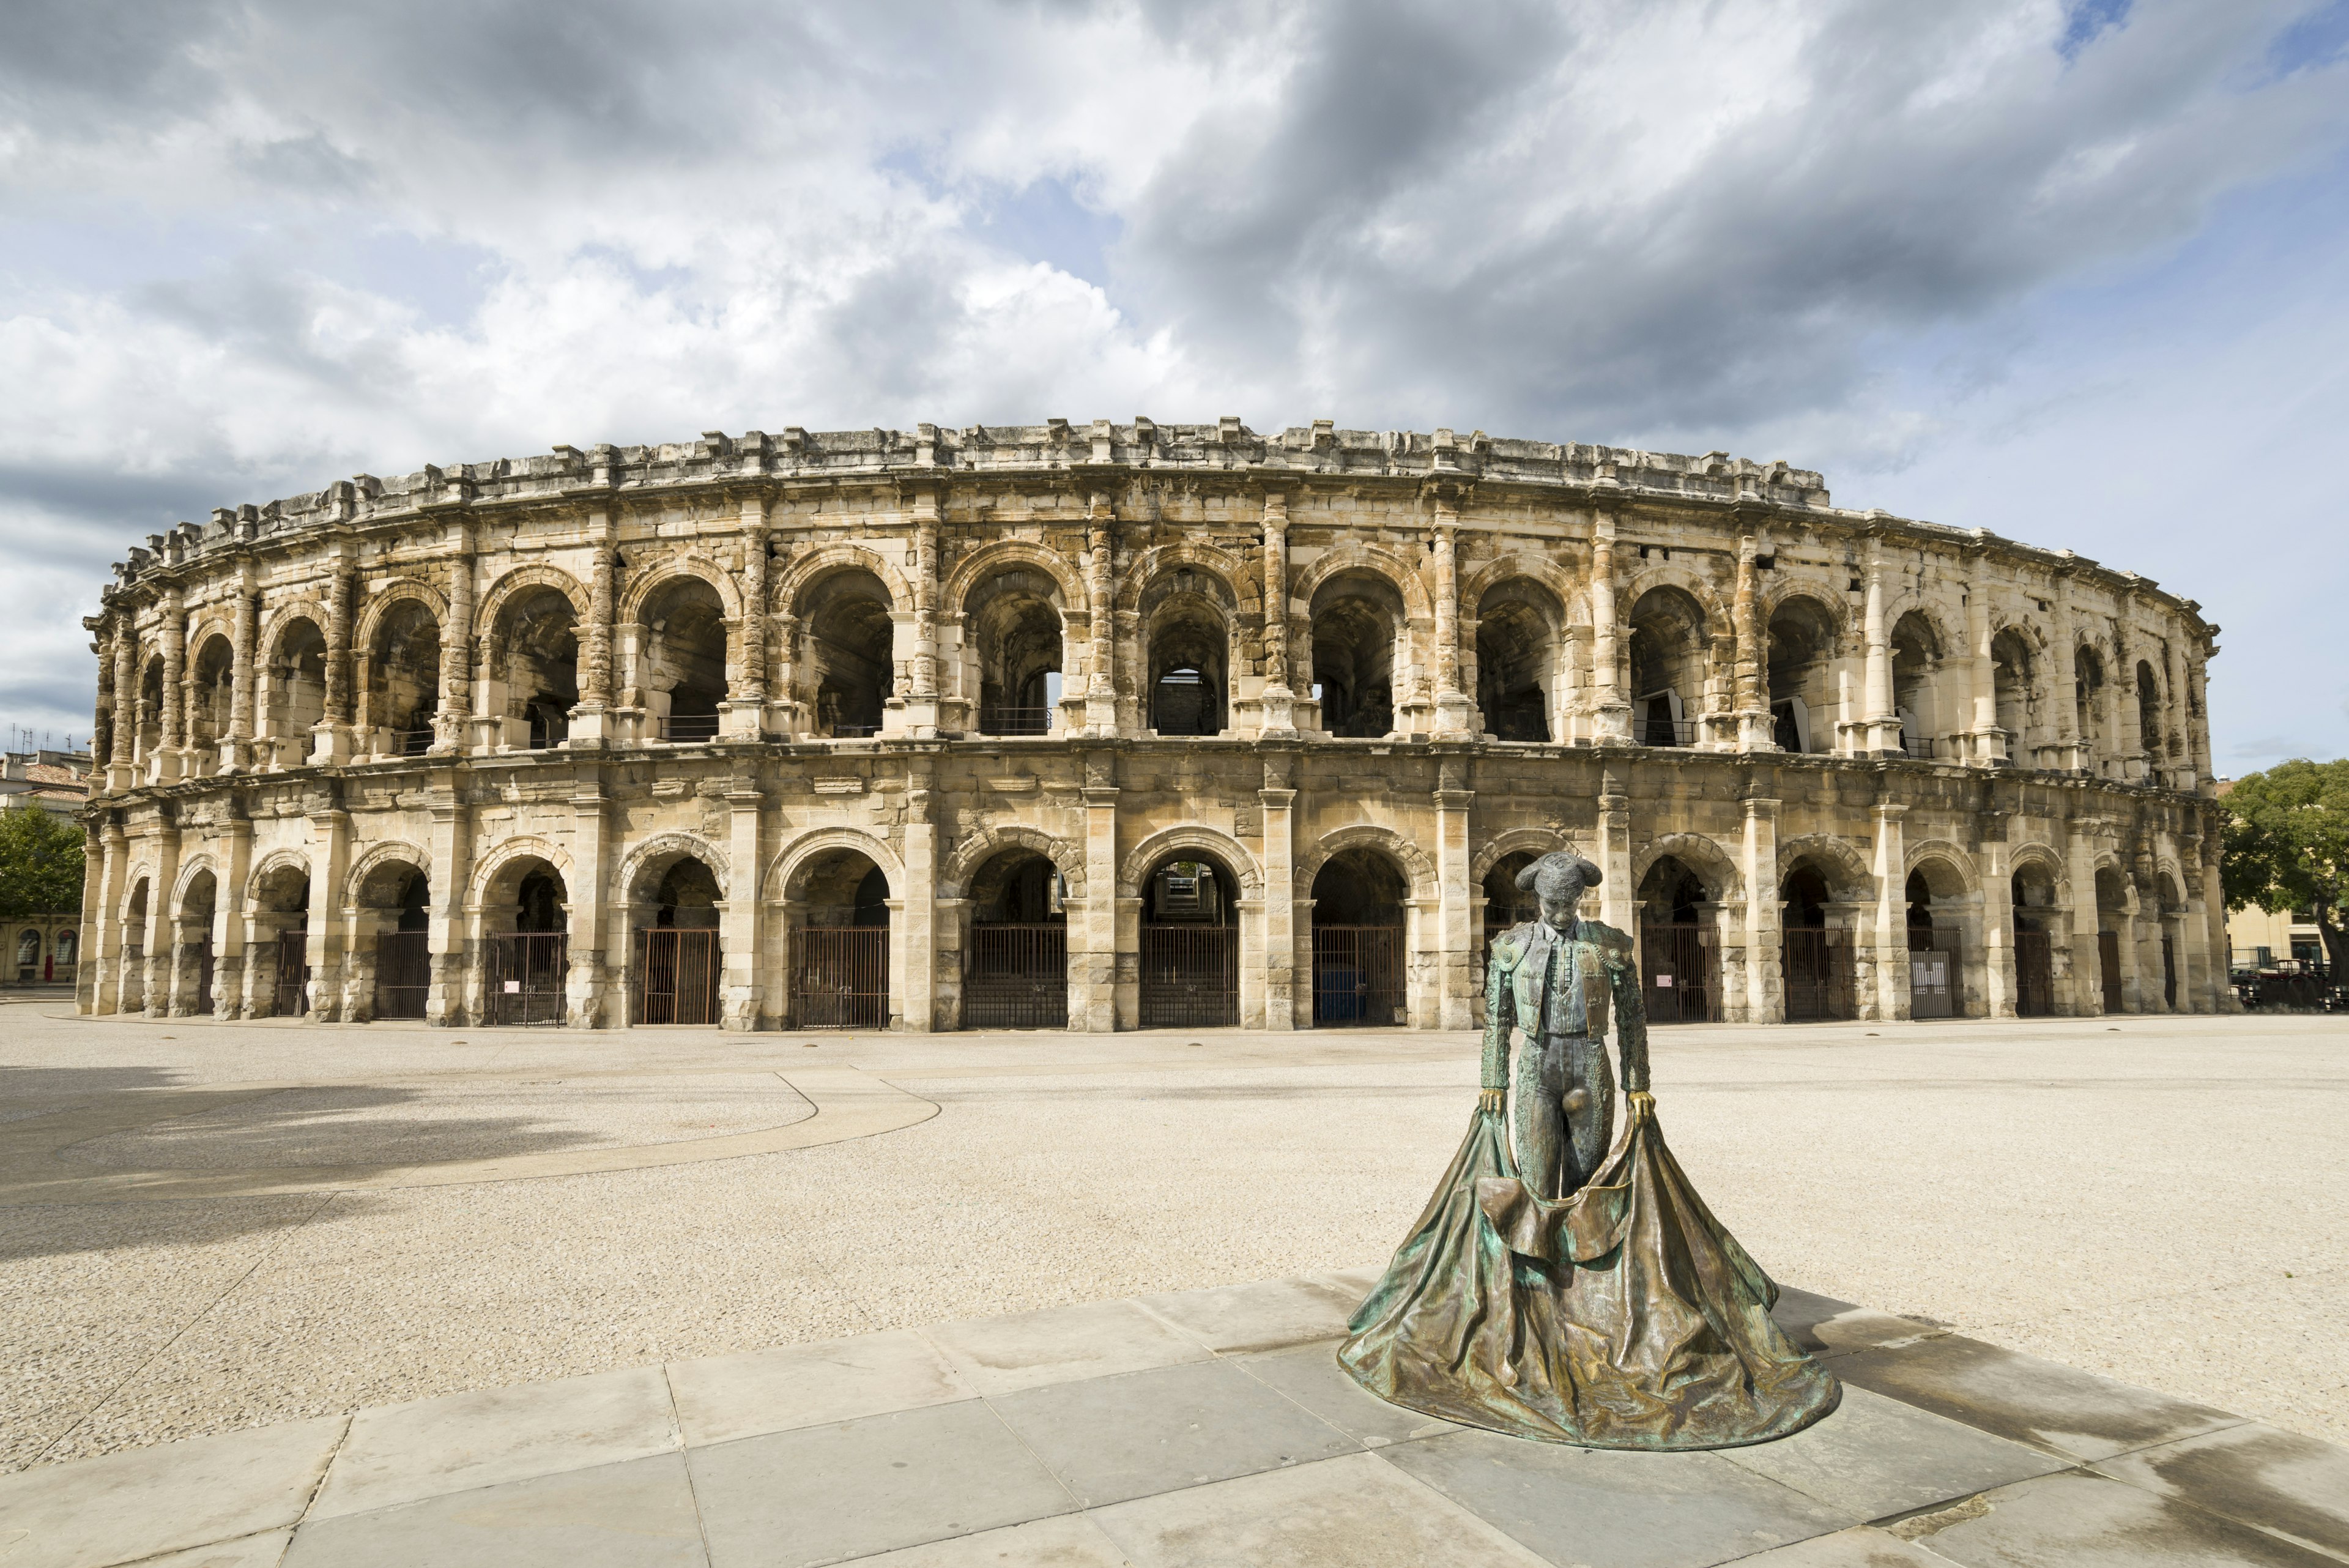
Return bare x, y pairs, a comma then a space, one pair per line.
1126, 725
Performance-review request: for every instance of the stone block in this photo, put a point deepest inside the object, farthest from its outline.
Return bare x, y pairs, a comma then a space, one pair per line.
2290, 1486
723, 1398
1263, 1316
635, 1515
1028, 1350
1876, 1457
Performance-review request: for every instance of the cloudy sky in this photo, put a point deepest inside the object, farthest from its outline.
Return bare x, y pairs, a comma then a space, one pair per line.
2072, 272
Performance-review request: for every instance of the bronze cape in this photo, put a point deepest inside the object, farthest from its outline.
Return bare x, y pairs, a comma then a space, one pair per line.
1623, 1317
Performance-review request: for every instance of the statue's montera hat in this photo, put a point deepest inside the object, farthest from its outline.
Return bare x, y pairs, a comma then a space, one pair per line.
1558, 875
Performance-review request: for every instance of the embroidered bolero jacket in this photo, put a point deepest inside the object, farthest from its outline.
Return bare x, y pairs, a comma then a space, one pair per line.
1515, 994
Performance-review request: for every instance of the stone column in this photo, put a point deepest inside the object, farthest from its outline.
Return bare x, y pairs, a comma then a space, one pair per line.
1892, 996
1881, 731
330, 840
2205, 959
2176, 772
925, 595
1279, 803
332, 737
743, 713
1108, 957
1764, 995
1101, 692
2125, 726
2087, 955
784, 698
2197, 730
1452, 707
101, 933
591, 721
1455, 904
453, 723
1755, 730
1988, 750
171, 756
448, 927
738, 999
1279, 710
162, 940
1613, 713
245, 670
232, 928
1617, 898
590, 996
121, 773
2070, 753
1998, 916
920, 896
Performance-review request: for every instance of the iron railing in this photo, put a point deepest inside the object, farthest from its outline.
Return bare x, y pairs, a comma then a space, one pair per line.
204, 956
1816, 972
524, 976
293, 996
2169, 971
1932, 973
840, 977
999, 719
403, 974
852, 731
1662, 731
688, 727
677, 975
2034, 974
2108, 967
411, 742
1357, 976
1679, 966
1918, 746
1017, 978
1190, 977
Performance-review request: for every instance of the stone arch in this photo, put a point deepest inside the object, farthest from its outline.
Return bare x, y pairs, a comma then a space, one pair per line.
1186, 619
195, 865
1168, 841
648, 577
538, 575
1655, 574
1000, 553
1416, 863
975, 851
658, 853
1961, 864
794, 857
1539, 568
494, 864
1534, 841
2044, 857
1848, 878
1161, 559
1712, 864
1946, 643
393, 852
270, 865
2168, 885
791, 588
1833, 603
1360, 558
381, 602
272, 626
140, 875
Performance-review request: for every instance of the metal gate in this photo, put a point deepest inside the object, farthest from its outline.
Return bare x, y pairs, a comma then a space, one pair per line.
2108, 962
1679, 971
840, 977
1932, 974
1816, 968
1190, 977
403, 974
205, 977
292, 974
677, 975
2169, 971
2034, 974
1357, 976
1017, 978
525, 975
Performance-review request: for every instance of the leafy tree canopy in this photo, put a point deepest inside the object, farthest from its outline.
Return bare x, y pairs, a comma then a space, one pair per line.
2287, 844
40, 864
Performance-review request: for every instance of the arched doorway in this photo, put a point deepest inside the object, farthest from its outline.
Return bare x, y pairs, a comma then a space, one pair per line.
2089, 701
195, 945
1356, 618
1815, 970
401, 695
1015, 970
1190, 944
1506, 903
1186, 617
1916, 657
281, 943
297, 692
678, 952
2112, 922
850, 658
212, 679
1666, 647
840, 944
682, 643
1936, 972
2173, 911
1804, 640
526, 942
533, 668
131, 996
393, 903
2034, 940
1516, 654
2015, 695
1359, 978
1678, 963
1011, 626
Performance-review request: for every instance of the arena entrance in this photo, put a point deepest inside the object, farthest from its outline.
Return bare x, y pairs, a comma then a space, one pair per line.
396, 895
1190, 946
1676, 946
840, 948
679, 956
196, 907
2034, 942
1935, 990
523, 968
1015, 968
1357, 941
1814, 959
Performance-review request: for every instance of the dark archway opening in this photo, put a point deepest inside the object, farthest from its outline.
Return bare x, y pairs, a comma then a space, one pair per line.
539, 651
398, 897
1190, 944
683, 633
1358, 977
680, 954
1933, 953
526, 965
1815, 963
1679, 969
2035, 941
851, 654
1355, 617
839, 965
1017, 974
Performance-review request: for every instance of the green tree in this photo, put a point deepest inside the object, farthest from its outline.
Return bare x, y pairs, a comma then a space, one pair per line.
40, 864
2287, 846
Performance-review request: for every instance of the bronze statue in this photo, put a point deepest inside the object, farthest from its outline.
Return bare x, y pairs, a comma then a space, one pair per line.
1563, 1288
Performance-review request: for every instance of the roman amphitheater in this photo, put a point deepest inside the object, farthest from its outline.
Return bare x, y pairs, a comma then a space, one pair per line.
1130, 726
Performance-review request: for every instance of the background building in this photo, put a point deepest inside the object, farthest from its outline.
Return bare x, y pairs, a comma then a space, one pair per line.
1131, 725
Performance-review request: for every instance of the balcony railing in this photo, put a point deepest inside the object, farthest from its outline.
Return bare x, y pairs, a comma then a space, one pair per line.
1666, 733
690, 727
1003, 721
411, 742
1919, 747
852, 731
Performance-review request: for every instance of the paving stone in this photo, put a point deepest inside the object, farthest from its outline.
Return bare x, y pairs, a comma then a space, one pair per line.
2285, 1484
2030, 1400
635, 1515
1071, 1541
1862, 1546
1876, 1457
825, 1494
1311, 1377
1059, 1345
2080, 1521
1356, 1511
1355, 1281
123, 1507
266, 1550
491, 1436
1828, 1328
1608, 1509
1111, 1438
723, 1398
1264, 1315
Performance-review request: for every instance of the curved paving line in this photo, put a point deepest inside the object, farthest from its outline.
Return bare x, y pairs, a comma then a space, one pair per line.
848, 1105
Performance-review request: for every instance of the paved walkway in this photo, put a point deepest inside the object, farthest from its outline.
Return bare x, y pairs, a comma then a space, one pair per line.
1206, 1427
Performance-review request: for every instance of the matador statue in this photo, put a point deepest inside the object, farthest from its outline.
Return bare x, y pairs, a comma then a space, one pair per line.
1566, 1283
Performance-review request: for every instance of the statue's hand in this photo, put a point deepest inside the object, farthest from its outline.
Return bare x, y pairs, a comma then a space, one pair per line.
1490, 1100
1642, 1106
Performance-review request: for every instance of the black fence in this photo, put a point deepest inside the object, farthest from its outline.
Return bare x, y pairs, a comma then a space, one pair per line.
840, 977
1816, 970
2034, 974
1678, 967
1933, 990
998, 720
2108, 967
524, 976
203, 960
1017, 978
677, 975
403, 974
292, 997
1190, 977
690, 727
1357, 976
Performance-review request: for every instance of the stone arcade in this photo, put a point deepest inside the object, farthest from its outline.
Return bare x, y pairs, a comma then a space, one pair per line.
1130, 725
